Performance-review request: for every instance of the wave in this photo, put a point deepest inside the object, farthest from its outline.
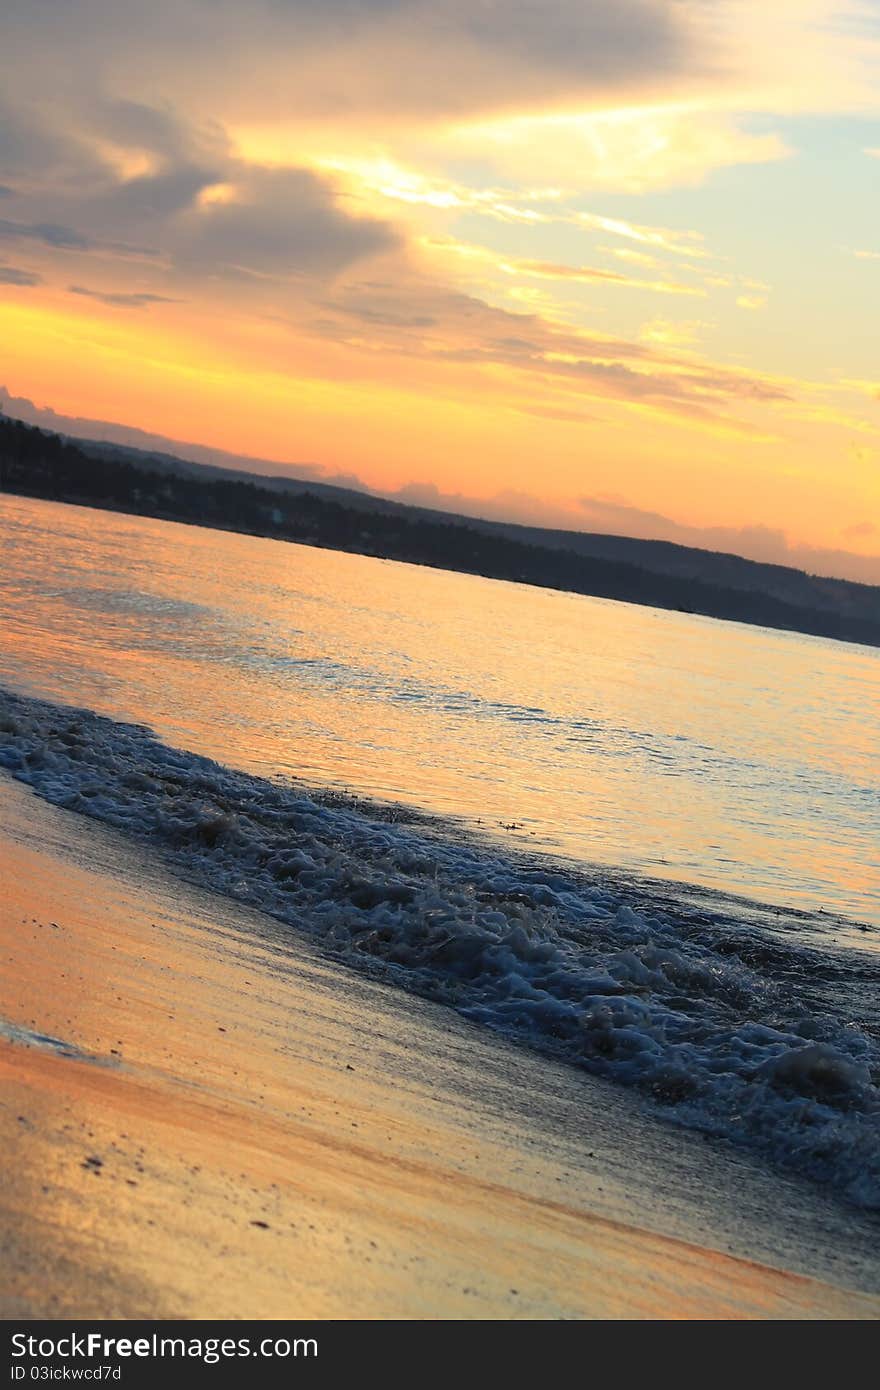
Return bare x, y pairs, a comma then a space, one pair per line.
735, 1029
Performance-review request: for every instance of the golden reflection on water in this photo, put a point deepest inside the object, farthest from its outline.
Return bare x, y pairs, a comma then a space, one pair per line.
655, 742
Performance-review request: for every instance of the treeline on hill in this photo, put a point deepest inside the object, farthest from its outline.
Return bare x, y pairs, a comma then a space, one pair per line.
34, 463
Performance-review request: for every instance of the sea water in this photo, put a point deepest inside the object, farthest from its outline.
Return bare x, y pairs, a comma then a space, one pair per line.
645, 842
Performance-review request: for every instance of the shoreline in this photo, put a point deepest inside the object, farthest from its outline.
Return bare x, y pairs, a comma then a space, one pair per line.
732, 1032
278, 1136
670, 594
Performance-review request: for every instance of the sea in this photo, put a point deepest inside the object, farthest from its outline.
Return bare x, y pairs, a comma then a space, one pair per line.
646, 843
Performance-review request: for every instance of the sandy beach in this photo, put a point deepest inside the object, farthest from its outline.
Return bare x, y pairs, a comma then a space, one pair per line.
205, 1118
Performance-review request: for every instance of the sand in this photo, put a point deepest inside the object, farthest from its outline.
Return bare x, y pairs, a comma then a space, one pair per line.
203, 1117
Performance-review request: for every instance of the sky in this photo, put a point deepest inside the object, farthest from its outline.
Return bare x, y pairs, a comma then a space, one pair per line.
613, 266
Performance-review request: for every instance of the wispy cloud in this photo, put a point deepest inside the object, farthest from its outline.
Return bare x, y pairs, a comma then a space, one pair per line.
482, 256
751, 301
591, 274
63, 238
634, 149
49, 233
665, 333
681, 243
123, 299
12, 275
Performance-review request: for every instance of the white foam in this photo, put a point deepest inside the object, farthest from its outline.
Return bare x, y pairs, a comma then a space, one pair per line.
720, 1035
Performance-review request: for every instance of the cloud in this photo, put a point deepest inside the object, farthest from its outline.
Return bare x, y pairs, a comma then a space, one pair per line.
49, 233
364, 60
586, 274
862, 387
357, 57
544, 205
63, 238
123, 300
767, 544
11, 275
483, 258
658, 144
679, 242
159, 130
631, 95
287, 245
751, 301
665, 333
285, 221
202, 211
625, 253
227, 220
418, 319
151, 200
37, 142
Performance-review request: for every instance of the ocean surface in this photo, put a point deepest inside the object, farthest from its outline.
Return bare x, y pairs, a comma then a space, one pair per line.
646, 842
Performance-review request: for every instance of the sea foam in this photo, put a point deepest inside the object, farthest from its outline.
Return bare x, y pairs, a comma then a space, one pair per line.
714, 1019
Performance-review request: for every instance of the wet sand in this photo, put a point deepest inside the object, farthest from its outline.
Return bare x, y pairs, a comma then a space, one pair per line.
203, 1117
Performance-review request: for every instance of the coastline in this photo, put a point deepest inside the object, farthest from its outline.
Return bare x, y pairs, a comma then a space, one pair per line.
354, 524
227, 1124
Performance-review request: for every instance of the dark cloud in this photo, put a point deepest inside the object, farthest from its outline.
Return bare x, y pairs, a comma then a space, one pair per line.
262, 223
6, 192
37, 142
386, 313
580, 37
11, 275
323, 57
279, 221
161, 130
49, 233
151, 199
326, 12
59, 237
122, 299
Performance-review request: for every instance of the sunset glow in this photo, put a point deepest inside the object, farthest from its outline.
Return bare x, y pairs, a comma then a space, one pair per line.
613, 267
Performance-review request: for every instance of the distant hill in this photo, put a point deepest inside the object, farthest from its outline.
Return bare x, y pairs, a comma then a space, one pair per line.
716, 567
149, 482
657, 557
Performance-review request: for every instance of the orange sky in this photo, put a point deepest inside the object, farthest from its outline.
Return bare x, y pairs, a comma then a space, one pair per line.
612, 267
